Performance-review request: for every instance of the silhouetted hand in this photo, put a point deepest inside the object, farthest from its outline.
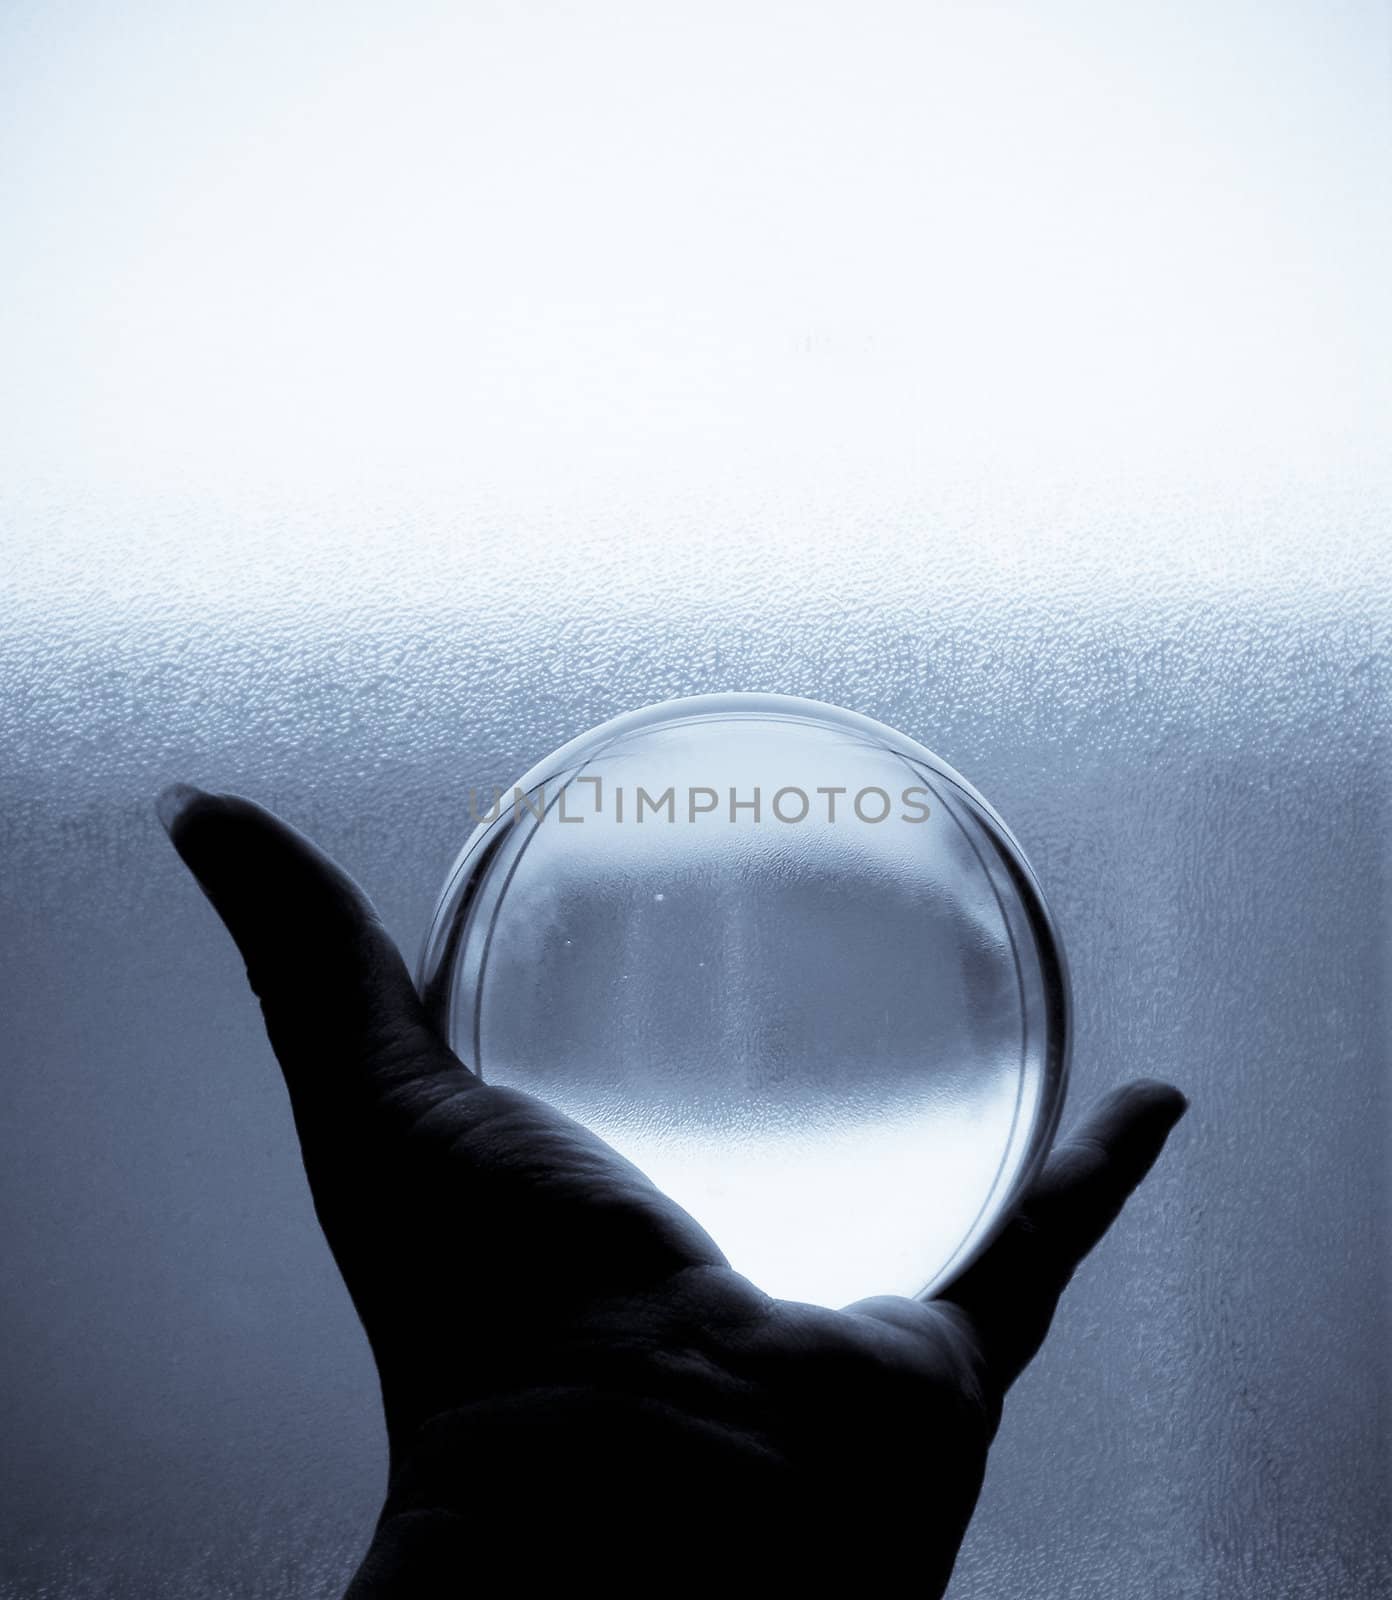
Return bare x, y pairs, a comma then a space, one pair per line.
574, 1380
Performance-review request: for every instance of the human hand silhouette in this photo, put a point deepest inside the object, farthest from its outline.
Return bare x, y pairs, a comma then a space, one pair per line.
574, 1380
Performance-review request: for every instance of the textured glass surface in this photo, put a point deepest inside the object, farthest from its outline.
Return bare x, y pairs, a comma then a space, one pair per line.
786, 961
387, 399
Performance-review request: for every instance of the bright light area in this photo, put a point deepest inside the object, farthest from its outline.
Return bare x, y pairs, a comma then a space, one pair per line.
838, 1214
394, 294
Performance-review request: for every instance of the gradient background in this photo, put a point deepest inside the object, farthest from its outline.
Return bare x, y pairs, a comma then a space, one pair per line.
392, 393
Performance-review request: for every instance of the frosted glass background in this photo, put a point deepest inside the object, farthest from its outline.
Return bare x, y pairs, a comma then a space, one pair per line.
392, 395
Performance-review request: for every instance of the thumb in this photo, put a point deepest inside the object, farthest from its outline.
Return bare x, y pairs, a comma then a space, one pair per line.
1012, 1291
339, 1005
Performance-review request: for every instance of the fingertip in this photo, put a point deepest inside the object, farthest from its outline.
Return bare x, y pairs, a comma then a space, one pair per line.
1144, 1110
226, 837
173, 802
330, 979
1154, 1098
1013, 1288
1142, 1118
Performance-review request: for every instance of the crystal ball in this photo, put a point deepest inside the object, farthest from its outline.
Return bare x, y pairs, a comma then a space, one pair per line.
785, 960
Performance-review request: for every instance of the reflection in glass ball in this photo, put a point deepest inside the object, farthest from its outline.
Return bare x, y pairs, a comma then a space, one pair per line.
785, 960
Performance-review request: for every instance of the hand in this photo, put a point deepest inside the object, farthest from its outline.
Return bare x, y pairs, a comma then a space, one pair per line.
572, 1375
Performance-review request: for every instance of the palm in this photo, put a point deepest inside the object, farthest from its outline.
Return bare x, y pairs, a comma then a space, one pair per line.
590, 1278
528, 1293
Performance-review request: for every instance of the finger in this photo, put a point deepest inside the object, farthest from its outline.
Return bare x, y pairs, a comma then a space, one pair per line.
1011, 1293
334, 991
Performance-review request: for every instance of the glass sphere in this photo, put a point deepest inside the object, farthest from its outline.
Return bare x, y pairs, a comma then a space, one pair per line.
786, 961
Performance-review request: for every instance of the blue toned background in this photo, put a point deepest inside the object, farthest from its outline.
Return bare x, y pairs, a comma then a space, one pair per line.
393, 394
